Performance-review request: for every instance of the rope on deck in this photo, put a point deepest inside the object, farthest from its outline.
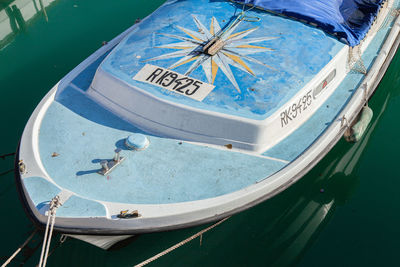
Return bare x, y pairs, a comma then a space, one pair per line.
19, 249
183, 242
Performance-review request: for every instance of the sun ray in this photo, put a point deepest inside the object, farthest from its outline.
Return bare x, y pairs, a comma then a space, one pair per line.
183, 61
182, 38
216, 28
178, 47
214, 70
195, 35
252, 40
170, 55
254, 46
245, 51
196, 64
207, 68
202, 28
235, 64
240, 35
226, 70
249, 58
234, 52
230, 31
182, 45
240, 62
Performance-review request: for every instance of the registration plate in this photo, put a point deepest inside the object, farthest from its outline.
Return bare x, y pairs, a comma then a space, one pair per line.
174, 81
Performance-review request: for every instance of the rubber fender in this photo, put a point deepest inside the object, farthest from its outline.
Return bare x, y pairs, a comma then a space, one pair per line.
359, 128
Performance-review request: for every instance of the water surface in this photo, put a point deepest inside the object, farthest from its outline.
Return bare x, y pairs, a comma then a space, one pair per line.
354, 222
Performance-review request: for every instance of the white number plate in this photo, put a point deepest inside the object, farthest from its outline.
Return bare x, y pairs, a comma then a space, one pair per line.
174, 81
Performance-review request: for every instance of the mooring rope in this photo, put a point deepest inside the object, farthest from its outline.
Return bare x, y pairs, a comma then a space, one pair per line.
51, 217
4, 156
183, 242
63, 238
6, 172
19, 249
29, 253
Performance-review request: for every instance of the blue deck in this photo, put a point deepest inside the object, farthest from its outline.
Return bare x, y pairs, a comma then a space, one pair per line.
83, 133
167, 171
275, 57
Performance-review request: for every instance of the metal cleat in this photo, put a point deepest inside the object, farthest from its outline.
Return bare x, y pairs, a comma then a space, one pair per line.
108, 165
125, 214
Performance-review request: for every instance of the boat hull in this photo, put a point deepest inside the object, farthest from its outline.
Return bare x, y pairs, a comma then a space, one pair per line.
187, 214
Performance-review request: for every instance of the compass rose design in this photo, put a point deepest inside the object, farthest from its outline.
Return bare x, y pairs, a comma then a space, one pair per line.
215, 49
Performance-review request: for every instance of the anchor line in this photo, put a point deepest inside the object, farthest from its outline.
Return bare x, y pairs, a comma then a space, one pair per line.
19, 249
29, 253
4, 156
6, 172
183, 242
51, 217
63, 238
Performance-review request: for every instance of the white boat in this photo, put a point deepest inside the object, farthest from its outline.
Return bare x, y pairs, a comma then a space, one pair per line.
201, 110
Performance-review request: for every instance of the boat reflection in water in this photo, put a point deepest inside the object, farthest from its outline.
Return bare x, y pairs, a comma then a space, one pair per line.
295, 228
277, 232
14, 15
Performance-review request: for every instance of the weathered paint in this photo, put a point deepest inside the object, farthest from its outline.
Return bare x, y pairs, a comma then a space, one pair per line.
288, 52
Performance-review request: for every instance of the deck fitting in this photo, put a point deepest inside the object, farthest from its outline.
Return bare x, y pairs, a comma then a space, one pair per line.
117, 157
108, 165
137, 142
213, 46
21, 167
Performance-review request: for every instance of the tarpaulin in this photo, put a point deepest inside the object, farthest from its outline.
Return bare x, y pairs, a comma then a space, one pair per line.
349, 20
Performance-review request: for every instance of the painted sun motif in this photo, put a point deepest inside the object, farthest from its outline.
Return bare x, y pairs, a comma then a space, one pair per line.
215, 49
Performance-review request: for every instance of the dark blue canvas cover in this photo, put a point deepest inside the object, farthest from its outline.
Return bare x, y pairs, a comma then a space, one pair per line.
349, 20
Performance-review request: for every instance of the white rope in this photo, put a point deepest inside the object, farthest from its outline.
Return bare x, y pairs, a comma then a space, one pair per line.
45, 238
51, 218
19, 249
180, 243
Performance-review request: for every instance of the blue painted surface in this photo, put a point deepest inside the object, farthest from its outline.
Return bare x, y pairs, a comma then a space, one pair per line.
292, 58
40, 190
296, 143
83, 134
84, 79
137, 141
79, 207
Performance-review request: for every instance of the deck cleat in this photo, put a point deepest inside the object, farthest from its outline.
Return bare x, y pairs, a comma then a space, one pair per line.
125, 214
108, 165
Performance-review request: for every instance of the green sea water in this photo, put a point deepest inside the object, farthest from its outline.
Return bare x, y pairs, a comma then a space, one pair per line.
345, 212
